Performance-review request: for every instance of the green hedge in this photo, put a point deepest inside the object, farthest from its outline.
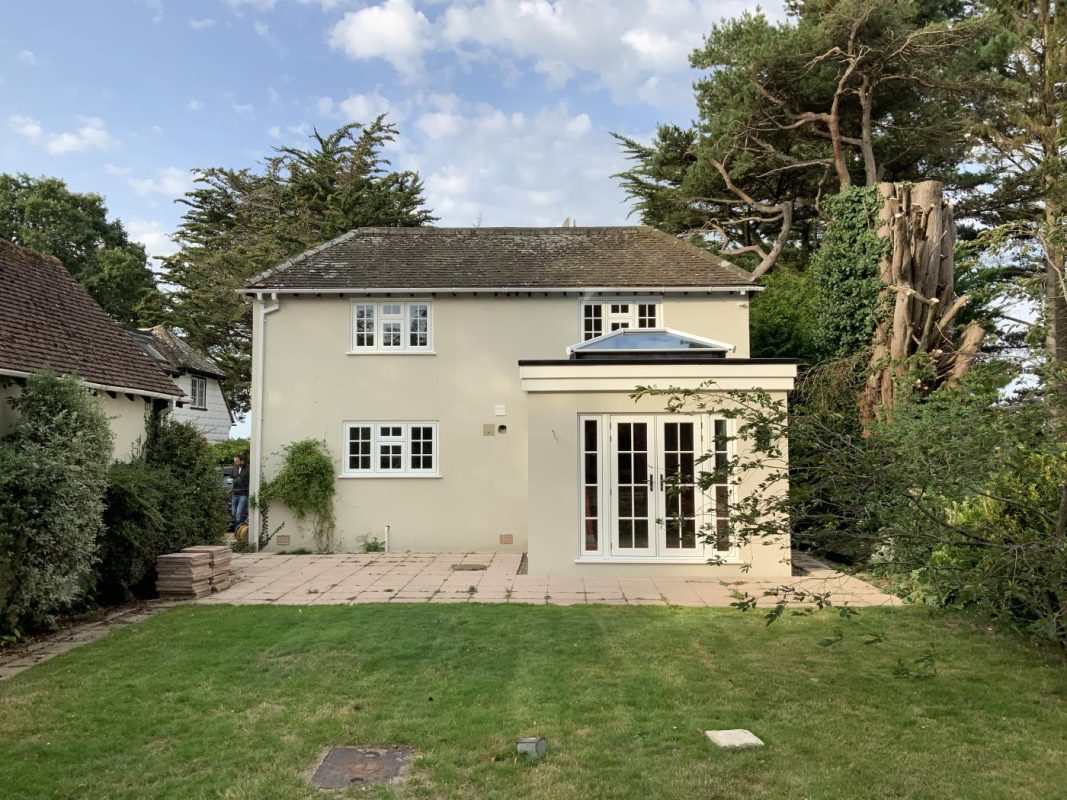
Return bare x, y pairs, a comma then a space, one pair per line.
168, 497
53, 472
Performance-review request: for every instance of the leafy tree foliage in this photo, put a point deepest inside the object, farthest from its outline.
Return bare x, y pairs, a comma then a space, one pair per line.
241, 222
53, 470
847, 91
44, 215
1022, 131
954, 498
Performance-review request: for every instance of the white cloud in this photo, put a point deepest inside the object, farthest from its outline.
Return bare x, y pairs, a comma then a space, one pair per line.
515, 168
274, 132
622, 43
263, 32
273, 94
393, 30
440, 124
155, 238
243, 110
195, 105
115, 169
26, 126
201, 24
170, 181
156, 6
363, 107
92, 135
259, 5
27, 57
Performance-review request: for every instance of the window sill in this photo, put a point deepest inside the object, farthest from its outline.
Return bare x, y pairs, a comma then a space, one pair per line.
391, 353
725, 562
414, 475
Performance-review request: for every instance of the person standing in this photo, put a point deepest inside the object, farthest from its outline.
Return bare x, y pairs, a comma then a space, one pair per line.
239, 495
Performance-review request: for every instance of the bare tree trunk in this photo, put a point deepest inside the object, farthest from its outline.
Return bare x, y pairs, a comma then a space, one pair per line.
870, 165
918, 273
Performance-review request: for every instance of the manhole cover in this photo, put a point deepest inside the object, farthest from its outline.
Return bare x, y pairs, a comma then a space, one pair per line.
362, 766
469, 567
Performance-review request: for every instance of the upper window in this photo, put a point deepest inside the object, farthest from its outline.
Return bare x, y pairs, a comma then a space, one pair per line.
392, 326
199, 392
390, 449
599, 317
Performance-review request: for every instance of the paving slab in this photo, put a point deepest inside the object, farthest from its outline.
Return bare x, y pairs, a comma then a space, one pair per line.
430, 577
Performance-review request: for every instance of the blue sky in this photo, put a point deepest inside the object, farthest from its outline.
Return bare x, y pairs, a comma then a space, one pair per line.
504, 106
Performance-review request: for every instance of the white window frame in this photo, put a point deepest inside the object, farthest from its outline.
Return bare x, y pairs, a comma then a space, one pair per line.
403, 444
401, 310
630, 318
194, 381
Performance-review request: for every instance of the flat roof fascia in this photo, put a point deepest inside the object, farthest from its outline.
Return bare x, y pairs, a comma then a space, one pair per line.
727, 374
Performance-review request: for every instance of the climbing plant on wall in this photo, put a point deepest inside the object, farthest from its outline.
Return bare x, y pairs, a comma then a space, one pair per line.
306, 485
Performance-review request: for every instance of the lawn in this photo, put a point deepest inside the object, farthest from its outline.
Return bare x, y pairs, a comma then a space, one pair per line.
237, 702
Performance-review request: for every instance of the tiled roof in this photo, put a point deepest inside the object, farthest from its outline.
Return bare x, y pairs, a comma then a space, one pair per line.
49, 321
174, 353
514, 258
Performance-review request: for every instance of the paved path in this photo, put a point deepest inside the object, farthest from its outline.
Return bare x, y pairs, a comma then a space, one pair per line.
22, 657
431, 577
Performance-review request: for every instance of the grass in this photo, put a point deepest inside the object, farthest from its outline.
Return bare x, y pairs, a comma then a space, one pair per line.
237, 702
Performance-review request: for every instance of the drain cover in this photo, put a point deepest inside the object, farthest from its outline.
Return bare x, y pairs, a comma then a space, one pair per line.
469, 567
362, 766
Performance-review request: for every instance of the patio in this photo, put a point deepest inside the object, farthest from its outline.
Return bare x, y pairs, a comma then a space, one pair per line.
344, 579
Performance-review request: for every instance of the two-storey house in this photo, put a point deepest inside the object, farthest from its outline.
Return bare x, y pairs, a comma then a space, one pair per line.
197, 375
474, 388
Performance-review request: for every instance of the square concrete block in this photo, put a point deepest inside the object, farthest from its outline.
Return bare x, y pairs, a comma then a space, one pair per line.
737, 739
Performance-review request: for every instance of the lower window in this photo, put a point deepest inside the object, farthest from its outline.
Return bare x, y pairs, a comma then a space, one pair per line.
640, 489
390, 449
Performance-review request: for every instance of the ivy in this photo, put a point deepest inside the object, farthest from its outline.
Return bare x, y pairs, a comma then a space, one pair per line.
306, 485
846, 276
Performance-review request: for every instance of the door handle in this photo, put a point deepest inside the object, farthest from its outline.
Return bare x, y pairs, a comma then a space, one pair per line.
661, 481
650, 481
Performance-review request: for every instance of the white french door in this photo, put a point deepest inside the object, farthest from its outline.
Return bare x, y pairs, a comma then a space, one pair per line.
655, 507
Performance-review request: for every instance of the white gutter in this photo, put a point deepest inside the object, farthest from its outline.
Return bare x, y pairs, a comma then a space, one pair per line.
276, 290
15, 373
256, 456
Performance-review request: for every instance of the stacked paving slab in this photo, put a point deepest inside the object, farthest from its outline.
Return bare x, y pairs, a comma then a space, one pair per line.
193, 573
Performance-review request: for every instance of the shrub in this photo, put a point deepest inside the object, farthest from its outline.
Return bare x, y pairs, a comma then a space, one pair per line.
306, 485
223, 452
1009, 563
53, 470
168, 497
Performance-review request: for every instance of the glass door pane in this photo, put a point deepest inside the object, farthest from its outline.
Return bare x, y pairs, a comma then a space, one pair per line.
631, 483
679, 441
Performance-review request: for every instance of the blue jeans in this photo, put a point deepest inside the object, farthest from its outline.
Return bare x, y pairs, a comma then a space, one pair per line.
239, 508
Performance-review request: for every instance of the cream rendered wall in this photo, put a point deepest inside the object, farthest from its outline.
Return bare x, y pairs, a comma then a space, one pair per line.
724, 319
213, 421
554, 495
126, 417
311, 387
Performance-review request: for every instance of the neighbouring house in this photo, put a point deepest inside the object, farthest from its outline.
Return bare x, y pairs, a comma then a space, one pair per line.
196, 375
473, 386
48, 321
